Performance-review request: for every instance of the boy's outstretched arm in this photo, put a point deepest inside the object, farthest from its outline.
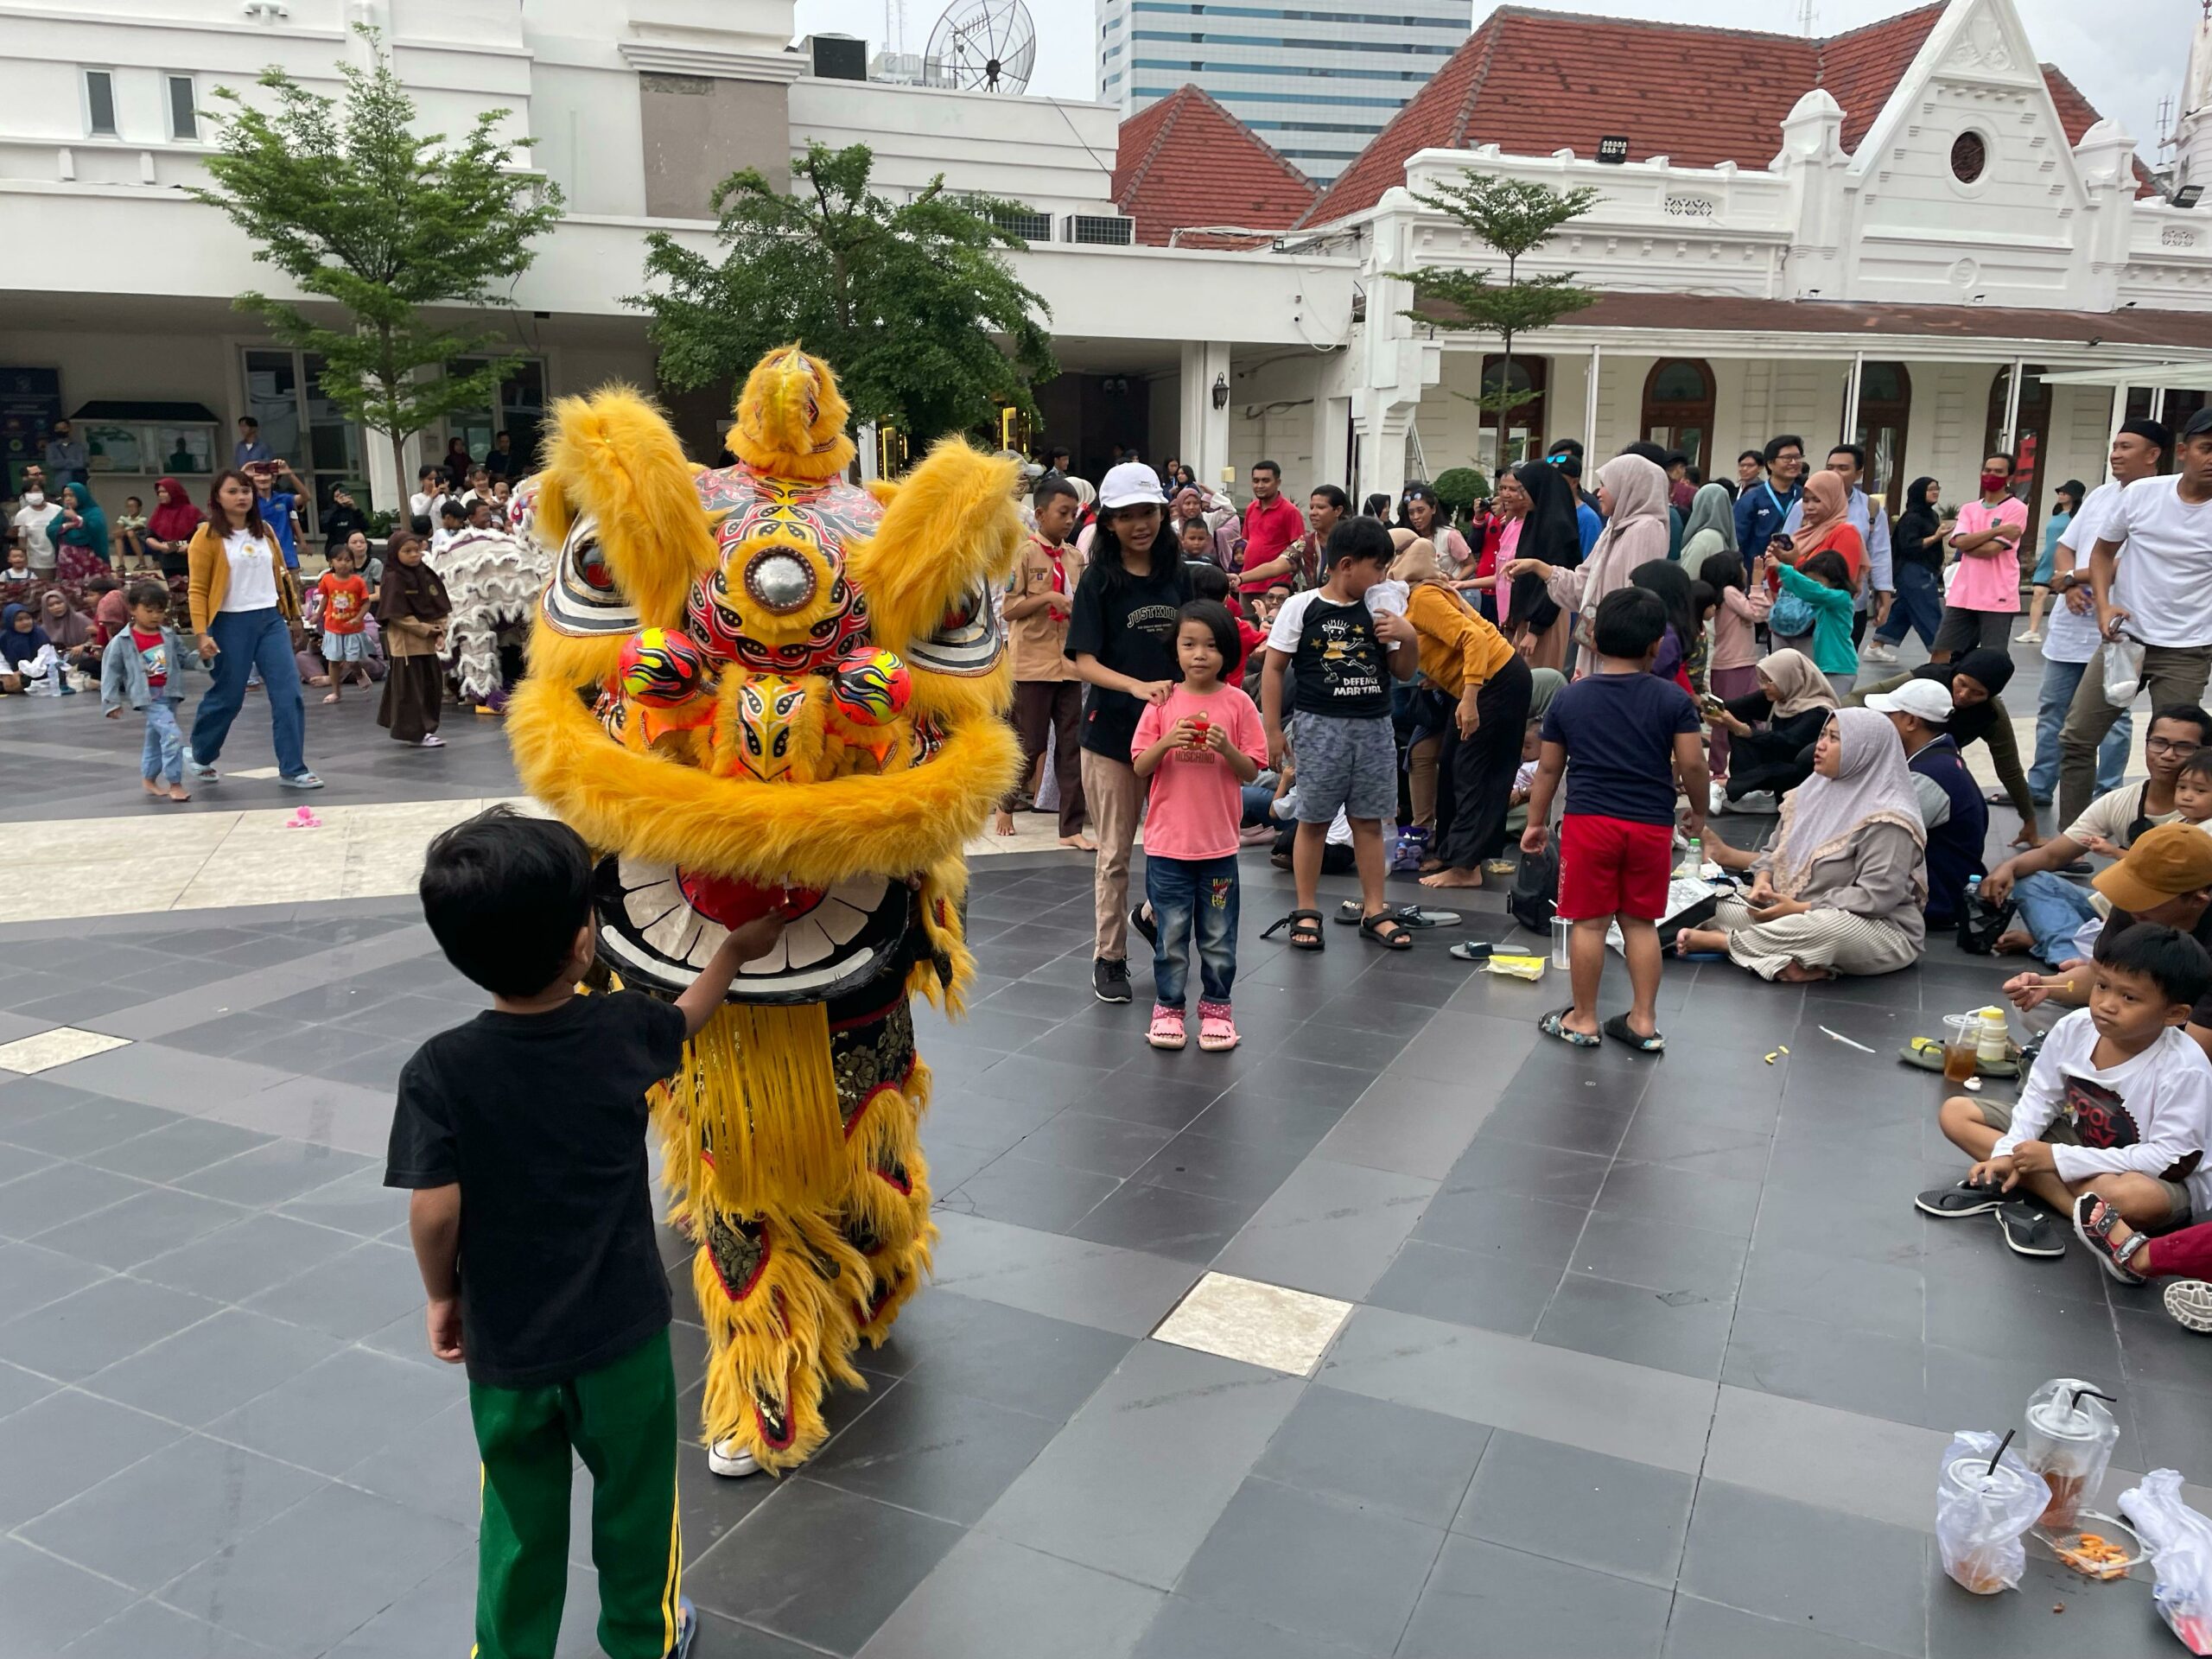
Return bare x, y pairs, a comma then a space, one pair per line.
747, 943
433, 1229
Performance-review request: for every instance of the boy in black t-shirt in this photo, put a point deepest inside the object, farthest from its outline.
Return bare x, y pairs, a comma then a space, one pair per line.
1345, 657
1621, 735
536, 1111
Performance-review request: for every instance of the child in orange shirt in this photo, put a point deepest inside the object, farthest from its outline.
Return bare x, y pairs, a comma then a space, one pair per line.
342, 602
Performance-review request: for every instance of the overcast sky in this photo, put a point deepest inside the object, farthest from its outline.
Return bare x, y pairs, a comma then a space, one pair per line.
2124, 55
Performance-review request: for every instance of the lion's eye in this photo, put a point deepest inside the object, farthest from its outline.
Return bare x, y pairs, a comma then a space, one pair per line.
591, 565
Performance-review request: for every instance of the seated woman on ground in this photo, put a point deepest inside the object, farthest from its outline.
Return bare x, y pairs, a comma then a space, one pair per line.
1978, 715
1841, 885
1772, 730
2052, 909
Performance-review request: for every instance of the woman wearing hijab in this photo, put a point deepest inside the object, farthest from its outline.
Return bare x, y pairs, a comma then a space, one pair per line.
412, 608
28, 659
1978, 715
1549, 531
69, 629
1916, 564
1826, 529
1467, 661
1632, 494
169, 528
1711, 527
1772, 731
80, 537
1840, 887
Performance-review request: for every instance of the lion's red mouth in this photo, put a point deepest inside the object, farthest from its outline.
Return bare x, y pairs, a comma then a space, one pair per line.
733, 902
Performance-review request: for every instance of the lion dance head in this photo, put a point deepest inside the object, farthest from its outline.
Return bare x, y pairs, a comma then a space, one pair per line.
760, 687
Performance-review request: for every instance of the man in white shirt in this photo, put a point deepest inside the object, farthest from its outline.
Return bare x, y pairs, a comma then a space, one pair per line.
1872, 606
2160, 597
34, 521
2139, 449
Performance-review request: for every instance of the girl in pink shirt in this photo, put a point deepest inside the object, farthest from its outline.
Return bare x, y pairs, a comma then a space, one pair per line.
1198, 748
1732, 670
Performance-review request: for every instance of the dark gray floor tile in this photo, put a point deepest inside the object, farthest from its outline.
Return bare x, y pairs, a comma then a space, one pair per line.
1330, 1228
45, 1603
1333, 1044
1134, 1484
94, 1327
20, 1388
211, 1368
1531, 1607
178, 1149
1662, 1255
1699, 1198
725, 1638
1463, 1287
1185, 1629
1884, 1298
143, 1225
1706, 1630
1503, 1227
32, 1275
1165, 1221
1527, 1171
166, 1515
147, 1627
271, 1174
17, 1161
155, 1074
929, 1449
1052, 1198
89, 1126
245, 1258
1347, 1575
1158, 1102
1104, 1146
754, 1574
1619, 1517
359, 1202
1026, 1361
1241, 1171
349, 1295
1660, 1136
2156, 1350
1827, 1364
1249, 1113
1748, 1550
66, 1443
433, 1467
1595, 1129
234, 1033
1125, 1291
376, 1398
1373, 1455
990, 1599
1673, 1331
322, 1569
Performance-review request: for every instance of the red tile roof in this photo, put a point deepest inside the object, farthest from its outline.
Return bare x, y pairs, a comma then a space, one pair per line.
1537, 81
1187, 161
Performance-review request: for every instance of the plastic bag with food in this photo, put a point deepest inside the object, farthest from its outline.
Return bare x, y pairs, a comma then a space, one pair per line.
2180, 1541
2123, 670
1983, 1502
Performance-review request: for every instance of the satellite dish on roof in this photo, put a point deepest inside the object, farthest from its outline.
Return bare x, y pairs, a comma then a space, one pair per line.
983, 45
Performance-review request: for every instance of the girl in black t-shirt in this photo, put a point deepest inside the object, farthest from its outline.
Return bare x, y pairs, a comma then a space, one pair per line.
1121, 640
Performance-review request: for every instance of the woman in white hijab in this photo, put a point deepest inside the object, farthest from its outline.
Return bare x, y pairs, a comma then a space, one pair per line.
1840, 887
1632, 494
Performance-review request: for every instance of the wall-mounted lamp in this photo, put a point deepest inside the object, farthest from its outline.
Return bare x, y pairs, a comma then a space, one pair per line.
1221, 391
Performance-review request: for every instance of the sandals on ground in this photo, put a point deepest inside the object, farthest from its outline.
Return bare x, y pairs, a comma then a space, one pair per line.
1371, 928
1620, 1031
1304, 927
1554, 1025
1353, 912
2093, 1225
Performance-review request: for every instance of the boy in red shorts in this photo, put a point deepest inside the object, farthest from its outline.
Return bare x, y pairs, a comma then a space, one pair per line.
1621, 735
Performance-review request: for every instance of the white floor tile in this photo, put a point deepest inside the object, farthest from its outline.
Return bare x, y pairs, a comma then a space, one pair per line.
1262, 1325
59, 1046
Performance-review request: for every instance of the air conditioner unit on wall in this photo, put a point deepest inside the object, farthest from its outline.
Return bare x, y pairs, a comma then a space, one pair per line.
838, 57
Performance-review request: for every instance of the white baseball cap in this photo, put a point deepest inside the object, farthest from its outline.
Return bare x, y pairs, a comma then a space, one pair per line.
1925, 700
1130, 485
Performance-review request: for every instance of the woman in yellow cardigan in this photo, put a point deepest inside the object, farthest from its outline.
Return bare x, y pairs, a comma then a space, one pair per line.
1469, 661
242, 609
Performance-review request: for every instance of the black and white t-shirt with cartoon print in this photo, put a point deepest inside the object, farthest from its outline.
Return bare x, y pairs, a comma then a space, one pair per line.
2149, 1114
1336, 660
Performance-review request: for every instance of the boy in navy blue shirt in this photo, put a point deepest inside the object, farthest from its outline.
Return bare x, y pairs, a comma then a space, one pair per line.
1620, 736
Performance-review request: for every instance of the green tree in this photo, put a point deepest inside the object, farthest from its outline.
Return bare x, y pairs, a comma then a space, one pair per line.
345, 198
908, 303
1513, 218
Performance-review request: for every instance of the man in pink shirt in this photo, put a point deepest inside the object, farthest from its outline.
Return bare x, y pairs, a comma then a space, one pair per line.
1985, 595
1271, 524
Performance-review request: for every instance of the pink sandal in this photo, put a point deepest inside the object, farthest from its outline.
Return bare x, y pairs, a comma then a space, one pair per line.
1217, 1030
1166, 1027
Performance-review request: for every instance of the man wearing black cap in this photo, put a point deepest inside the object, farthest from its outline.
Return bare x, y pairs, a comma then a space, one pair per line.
2161, 597
2139, 449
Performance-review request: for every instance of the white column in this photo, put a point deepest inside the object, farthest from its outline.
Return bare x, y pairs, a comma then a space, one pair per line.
2010, 437
1590, 416
2158, 403
1205, 436
2118, 417
1851, 398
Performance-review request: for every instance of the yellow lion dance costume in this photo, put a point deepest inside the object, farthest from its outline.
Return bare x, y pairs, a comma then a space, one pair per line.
761, 687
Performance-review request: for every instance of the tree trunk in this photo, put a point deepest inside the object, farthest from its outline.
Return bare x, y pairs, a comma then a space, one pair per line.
1504, 391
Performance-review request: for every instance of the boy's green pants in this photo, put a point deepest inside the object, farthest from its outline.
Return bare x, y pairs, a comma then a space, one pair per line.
622, 1421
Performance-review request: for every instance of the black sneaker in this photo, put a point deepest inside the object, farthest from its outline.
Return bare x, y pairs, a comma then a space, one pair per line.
1141, 919
1110, 980
2029, 1231
1950, 1203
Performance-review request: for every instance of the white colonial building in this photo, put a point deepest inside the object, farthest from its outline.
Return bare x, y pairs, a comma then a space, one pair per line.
1913, 234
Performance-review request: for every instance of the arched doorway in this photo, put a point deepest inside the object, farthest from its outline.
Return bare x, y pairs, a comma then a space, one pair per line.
1678, 408
2030, 436
1884, 408
1524, 423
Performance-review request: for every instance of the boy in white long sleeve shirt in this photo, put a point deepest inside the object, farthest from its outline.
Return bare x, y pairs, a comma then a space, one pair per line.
2119, 1103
